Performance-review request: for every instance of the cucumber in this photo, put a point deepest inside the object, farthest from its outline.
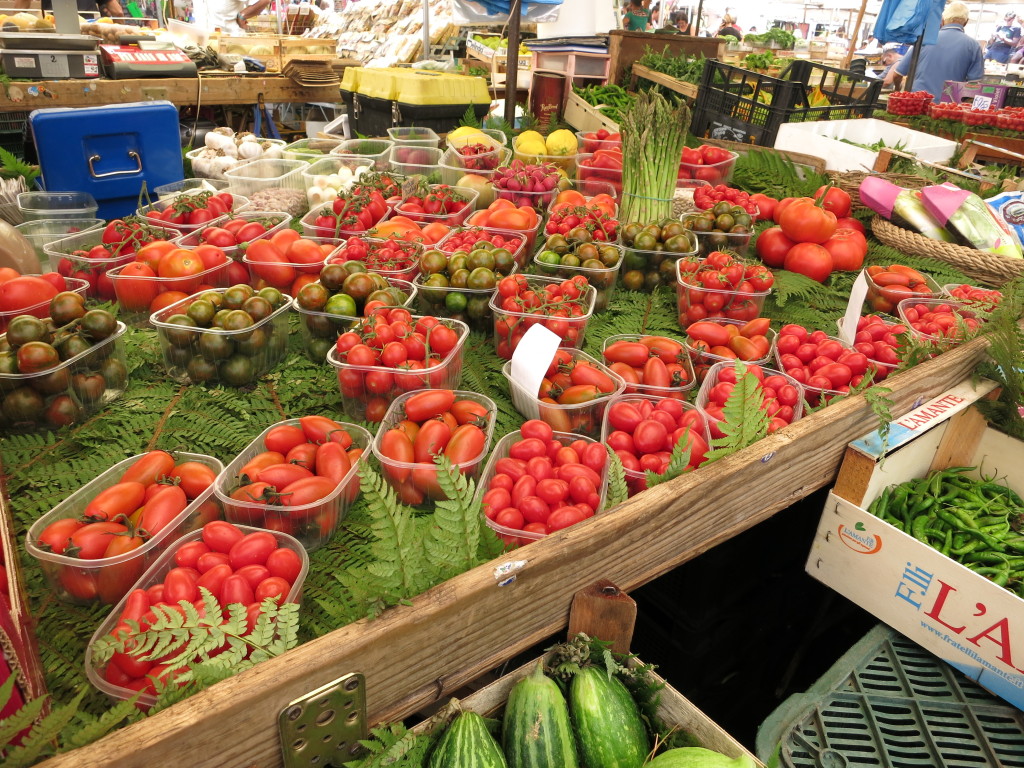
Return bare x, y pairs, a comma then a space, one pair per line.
606, 720
536, 732
467, 744
698, 757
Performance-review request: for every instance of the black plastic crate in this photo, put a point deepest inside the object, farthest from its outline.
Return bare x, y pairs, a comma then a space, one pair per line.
1014, 96
740, 105
370, 116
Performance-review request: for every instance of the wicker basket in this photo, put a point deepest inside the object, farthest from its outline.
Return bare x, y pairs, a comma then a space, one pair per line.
849, 181
988, 268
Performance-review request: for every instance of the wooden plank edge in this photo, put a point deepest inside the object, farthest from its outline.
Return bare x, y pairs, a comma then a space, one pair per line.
444, 638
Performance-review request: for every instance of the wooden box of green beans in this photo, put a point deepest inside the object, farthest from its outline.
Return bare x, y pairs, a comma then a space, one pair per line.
927, 533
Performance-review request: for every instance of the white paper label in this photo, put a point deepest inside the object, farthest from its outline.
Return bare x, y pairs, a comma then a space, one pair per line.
531, 359
53, 65
981, 102
24, 62
853, 308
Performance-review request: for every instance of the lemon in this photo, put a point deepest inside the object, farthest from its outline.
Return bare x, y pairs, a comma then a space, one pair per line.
528, 137
562, 142
531, 147
465, 130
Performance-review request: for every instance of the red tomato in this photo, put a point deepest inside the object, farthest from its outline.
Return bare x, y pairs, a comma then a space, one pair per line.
221, 536
466, 443
848, 247
136, 286
284, 563
236, 589
428, 404
772, 246
305, 492
252, 549
56, 537
837, 200
119, 499
23, 292
809, 259
804, 222
272, 587
283, 438
163, 508
188, 554
193, 478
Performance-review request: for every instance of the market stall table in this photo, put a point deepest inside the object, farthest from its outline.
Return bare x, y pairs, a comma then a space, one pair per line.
222, 89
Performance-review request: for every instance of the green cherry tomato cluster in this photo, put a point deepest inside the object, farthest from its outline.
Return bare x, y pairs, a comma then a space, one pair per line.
221, 337
51, 372
651, 251
460, 284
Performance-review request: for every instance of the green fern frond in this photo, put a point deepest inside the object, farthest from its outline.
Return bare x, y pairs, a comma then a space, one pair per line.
1006, 361
395, 746
677, 464
93, 729
20, 720
618, 491
469, 118
42, 738
744, 422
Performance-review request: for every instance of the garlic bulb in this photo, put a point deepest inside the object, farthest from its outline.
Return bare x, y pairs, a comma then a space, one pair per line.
245, 136
223, 131
216, 140
271, 151
220, 164
249, 150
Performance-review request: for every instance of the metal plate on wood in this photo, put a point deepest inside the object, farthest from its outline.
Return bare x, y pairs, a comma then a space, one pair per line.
324, 726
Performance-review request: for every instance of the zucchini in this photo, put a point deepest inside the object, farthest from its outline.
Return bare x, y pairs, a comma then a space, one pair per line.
536, 732
609, 730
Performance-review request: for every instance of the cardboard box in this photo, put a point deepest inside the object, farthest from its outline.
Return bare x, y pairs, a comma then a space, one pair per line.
487, 53
824, 138
980, 95
584, 117
960, 616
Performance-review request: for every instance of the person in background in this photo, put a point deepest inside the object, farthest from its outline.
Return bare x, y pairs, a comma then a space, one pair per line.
682, 23
955, 56
891, 56
229, 16
1004, 40
729, 27
111, 8
655, 16
636, 16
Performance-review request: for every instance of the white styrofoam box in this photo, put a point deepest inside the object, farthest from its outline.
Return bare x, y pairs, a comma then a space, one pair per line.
960, 616
823, 138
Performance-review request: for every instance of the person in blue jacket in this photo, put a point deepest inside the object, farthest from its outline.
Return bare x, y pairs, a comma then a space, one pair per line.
955, 56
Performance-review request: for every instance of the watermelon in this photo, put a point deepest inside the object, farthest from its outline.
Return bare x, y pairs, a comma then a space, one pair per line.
606, 720
536, 732
698, 757
467, 744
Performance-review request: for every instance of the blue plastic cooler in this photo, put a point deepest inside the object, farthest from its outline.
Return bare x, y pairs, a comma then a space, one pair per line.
109, 151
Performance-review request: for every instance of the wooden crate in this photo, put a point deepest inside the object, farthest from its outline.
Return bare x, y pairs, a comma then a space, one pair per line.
414, 654
674, 709
626, 47
585, 117
268, 46
689, 90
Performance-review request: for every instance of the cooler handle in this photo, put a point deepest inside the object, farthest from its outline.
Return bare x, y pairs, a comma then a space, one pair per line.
131, 153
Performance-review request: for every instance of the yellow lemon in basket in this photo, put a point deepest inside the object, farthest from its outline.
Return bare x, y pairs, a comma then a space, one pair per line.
562, 142
531, 147
529, 137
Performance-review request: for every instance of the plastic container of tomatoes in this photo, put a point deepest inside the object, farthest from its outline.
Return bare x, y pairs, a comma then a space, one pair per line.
67, 393
321, 329
256, 349
136, 293
582, 418
57, 205
457, 219
703, 359
365, 388
814, 395
42, 309
601, 279
588, 171
713, 173
909, 309
273, 221
736, 242
657, 267
883, 296
509, 326
513, 536
379, 256
882, 369
635, 480
312, 524
454, 166
472, 305
285, 275
40, 232
678, 392
256, 175
375, 149
108, 579
592, 144
985, 299
711, 380
501, 238
331, 235
188, 185
155, 575
423, 476
148, 214
733, 305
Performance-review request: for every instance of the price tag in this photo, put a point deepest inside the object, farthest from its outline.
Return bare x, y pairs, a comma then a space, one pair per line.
981, 102
857, 294
530, 362
53, 65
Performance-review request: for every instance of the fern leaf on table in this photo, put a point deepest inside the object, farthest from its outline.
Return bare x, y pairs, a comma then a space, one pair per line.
743, 422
